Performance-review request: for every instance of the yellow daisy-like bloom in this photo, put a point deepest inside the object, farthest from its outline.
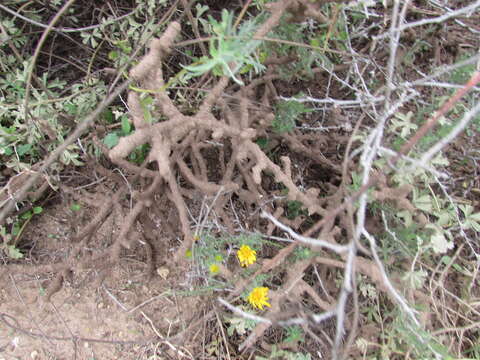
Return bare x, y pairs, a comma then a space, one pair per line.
214, 268
259, 297
246, 255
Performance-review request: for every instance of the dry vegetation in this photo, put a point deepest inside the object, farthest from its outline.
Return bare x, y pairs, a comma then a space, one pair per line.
337, 142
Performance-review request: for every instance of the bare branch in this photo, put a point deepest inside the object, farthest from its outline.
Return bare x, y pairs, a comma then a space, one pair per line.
306, 240
465, 10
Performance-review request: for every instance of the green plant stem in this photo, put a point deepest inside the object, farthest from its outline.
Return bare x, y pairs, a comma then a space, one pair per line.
200, 40
90, 64
262, 38
20, 232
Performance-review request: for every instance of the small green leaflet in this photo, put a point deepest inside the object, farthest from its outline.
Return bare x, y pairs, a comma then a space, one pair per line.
75, 207
23, 149
14, 253
126, 126
37, 210
111, 140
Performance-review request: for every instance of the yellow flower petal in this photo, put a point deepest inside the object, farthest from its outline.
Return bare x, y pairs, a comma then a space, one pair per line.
246, 255
258, 297
214, 268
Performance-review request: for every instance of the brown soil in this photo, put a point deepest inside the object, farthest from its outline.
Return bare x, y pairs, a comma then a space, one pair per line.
119, 316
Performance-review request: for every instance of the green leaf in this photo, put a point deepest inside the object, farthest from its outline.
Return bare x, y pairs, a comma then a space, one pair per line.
474, 217
294, 334
14, 253
295, 209
75, 207
124, 46
230, 46
439, 243
200, 9
467, 210
415, 279
109, 117
444, 218
146, 104
315, 42
424, 203
462, 75
26, 216
475, 225
240, 325
37, 210
262, 142
8, 151
446, 259
70, 108
404, 123
111, 140
406, 216
126, 126
16, 229
286, 113
23, 149
440, 160
112, 55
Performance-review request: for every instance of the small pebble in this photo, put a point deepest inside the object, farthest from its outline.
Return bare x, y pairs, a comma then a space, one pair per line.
163, 272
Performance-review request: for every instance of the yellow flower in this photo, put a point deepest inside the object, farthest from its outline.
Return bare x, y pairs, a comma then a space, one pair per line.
246, 255
259, 297
214, 268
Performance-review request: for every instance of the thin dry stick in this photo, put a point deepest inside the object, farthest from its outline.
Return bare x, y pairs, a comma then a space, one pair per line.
428, 155
347, 288
316, 318
386, 280
65, 30
225, 342
393, 49
394, 41
37, 53
187, 8
444, 70
403, 151
474, 80
42, 334
306, 240
465, 10
242, 13
73, 337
